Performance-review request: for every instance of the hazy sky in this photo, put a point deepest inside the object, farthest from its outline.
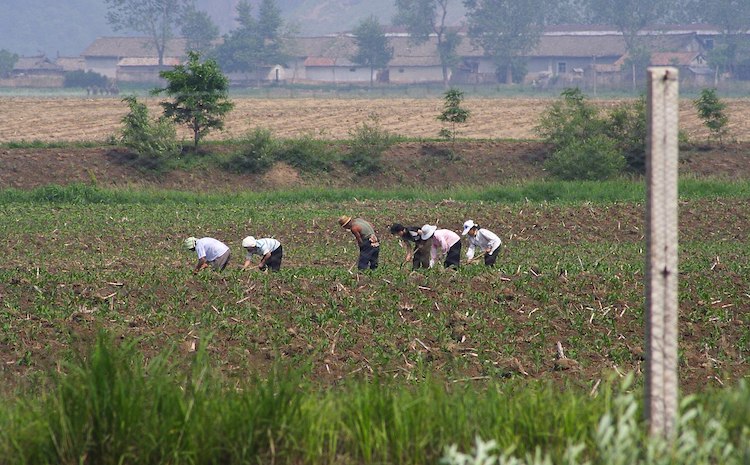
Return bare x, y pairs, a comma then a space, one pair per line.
67, 27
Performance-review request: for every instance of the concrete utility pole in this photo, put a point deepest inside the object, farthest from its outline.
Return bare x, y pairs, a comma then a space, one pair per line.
661, 251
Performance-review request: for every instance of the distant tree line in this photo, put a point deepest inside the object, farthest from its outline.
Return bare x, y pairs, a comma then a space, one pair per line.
505, 29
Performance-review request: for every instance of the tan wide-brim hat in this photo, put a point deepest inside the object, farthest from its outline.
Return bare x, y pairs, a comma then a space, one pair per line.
344, 220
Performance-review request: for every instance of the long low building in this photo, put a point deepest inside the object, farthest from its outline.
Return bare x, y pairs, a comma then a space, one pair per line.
562, 55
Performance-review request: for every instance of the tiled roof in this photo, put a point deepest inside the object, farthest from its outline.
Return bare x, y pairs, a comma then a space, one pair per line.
674, 58
71, 63
132, 47
35, 63
315, 62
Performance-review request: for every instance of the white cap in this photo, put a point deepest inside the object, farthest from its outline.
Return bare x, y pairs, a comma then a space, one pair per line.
427, 231
190, 243
249, 241
467, 226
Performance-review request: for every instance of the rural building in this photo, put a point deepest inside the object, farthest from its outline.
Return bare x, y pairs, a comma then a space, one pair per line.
106, 54
36, 71
69, 64
564, 56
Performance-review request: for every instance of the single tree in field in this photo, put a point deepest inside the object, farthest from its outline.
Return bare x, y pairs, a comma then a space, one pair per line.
200, 93
452, 114
506, 30
373, 49
712, 111
157, 19
423, 18
198, 29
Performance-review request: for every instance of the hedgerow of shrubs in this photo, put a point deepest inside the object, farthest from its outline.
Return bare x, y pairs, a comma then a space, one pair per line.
594, 159
257, 153
368, 142
590, 146
80, 78
307, 153
152, 141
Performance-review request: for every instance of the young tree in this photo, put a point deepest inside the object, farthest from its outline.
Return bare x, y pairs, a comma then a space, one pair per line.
505, 29
7, 62
156, 18
424, 17
200, 93
153, 141
452, 113
711, 111
372, 45
199, 30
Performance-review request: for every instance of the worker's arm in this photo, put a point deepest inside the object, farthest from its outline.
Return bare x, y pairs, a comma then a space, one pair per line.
263, 260
200, 265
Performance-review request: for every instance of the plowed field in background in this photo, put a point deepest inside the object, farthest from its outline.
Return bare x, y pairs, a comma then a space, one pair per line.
94, 119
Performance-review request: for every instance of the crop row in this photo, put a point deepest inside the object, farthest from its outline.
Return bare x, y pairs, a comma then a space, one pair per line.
571, 274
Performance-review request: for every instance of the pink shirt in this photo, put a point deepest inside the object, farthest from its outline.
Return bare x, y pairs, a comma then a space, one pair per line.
443, 239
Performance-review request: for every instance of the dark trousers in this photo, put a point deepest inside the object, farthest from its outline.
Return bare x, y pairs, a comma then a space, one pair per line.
421, 258
274, 261
453, 257
490, 259
368, 256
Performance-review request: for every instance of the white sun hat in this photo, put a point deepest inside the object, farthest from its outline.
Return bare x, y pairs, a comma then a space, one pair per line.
427, 231
190, 243
467, 226
249, 241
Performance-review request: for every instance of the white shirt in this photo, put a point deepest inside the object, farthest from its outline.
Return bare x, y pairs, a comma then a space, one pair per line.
264, 246
483, 240
210, 248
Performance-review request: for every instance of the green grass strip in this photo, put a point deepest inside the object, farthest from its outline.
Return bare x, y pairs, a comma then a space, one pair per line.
546, 191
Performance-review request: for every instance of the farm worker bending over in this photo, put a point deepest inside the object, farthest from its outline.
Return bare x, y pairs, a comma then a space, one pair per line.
444, 242
211, 252
269, 250
364, 233
484, 240
411, 240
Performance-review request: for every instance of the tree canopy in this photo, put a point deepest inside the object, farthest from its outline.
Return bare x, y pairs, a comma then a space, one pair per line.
255, 42
7, 62
200, 93
424, 17
373, 49
155, 18
506, 30
198, 29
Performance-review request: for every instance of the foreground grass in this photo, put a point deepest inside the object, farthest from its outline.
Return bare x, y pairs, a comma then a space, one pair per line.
111, 406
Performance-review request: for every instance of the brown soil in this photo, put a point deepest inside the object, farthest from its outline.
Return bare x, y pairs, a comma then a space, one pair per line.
410, 164
96, 119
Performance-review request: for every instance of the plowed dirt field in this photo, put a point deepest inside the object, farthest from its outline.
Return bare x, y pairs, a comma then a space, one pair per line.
92, 119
